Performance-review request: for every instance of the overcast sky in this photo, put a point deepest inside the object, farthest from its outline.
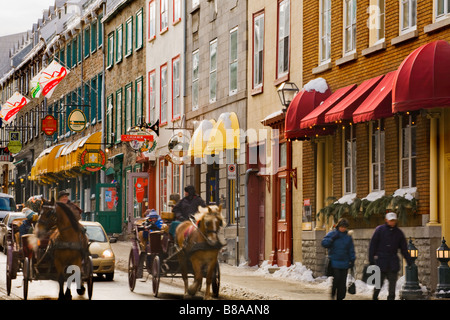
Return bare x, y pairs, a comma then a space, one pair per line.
19, 15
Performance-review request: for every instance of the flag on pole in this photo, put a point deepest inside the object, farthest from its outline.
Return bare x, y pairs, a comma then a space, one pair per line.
36, 88
12, 106
51, 77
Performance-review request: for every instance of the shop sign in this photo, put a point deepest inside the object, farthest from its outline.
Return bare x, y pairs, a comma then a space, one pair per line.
14, 144
92, 160
49, 125
142, 141
77, 120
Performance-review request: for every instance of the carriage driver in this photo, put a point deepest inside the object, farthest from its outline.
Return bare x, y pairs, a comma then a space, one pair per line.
27, 225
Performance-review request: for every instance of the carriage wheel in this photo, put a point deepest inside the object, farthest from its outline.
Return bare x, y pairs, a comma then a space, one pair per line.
216, 281
132, 270
90, 281
156, 274
26, 277
8, 271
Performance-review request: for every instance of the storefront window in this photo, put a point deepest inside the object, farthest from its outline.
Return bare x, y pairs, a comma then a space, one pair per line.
283, 199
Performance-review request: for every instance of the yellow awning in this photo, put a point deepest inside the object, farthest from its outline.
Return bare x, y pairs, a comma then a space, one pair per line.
224, 135
51, 162
60, 158
91, 142
200, 138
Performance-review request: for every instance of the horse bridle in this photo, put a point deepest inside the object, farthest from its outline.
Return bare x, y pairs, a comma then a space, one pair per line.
52, 216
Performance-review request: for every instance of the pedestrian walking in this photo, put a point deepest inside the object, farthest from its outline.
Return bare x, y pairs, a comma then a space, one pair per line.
384, 245
341, 252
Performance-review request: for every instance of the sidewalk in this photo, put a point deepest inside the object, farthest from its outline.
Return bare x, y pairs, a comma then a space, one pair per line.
252, 283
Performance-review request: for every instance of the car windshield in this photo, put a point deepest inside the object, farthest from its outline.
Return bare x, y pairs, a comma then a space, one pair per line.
7, 204
95, 233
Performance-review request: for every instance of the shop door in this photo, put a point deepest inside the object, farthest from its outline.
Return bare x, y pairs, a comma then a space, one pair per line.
137, 195
283, 223
108, 207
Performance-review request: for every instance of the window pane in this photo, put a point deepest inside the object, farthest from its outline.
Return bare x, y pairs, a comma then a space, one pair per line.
440, 7
233, 76
405, 173
283, 199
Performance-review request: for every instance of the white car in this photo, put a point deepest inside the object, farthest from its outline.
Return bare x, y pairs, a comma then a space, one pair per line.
7, 205
103, 257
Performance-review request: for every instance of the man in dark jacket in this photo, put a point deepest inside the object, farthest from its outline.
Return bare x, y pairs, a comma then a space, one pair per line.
341, 252
188, 205
385, 242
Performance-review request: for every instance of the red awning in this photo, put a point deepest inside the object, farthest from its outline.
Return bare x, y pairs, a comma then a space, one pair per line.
344, 109
423, 79
379, 102
303, 103
317, 116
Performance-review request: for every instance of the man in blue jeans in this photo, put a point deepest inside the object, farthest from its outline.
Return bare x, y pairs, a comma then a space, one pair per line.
386, 241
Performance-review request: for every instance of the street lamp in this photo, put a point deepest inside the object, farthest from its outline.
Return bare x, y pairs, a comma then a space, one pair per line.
411, 289
443, 286
286, 93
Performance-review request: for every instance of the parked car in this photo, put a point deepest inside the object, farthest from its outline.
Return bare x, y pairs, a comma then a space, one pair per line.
7, 205
103, 256
5, 227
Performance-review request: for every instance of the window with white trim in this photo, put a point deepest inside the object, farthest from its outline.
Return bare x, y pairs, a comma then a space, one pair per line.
349, 26
258, 50
283, 38
164, 15
152, 95
128, 106
152, 20
442, 8
176, 88
408, 151
233, 61
408, 15
163, 94
376, 22
349, 160
176, 11
162, 185
377, 156
213, 71
119, 121
325, 31
195, 79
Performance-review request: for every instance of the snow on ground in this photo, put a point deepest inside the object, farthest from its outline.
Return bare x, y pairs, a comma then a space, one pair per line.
298, 272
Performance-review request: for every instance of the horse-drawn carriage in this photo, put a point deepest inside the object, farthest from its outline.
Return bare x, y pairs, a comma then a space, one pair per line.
174, 255
57, 242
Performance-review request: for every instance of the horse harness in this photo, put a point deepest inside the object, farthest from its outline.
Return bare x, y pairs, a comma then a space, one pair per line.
198, 246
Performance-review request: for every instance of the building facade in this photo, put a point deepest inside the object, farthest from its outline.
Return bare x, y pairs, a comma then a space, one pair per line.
216, 103
125, 79
275, 43
367, 156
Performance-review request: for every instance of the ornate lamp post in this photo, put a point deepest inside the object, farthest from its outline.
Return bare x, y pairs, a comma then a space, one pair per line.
443, 286
411, 289
286, 93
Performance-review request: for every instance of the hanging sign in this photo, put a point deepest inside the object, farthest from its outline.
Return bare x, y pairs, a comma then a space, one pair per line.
49, 125
77, 120
9, 110
92, 160
14, 144
51, 77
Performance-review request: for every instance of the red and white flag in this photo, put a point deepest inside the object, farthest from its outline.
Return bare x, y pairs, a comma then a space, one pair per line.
51, 77
9, 110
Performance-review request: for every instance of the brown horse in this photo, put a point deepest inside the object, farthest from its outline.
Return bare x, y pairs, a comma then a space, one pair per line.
200, 246
68, 241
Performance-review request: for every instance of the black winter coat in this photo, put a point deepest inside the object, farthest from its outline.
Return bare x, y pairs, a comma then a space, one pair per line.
384, 246
187, 206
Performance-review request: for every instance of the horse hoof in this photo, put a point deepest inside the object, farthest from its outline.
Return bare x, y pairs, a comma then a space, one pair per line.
81, 291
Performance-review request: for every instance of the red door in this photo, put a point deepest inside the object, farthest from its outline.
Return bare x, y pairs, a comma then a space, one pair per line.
256, 221
283, 223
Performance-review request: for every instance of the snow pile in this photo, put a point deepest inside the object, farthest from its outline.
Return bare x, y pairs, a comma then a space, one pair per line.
407, 193
319, 85
299, 273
